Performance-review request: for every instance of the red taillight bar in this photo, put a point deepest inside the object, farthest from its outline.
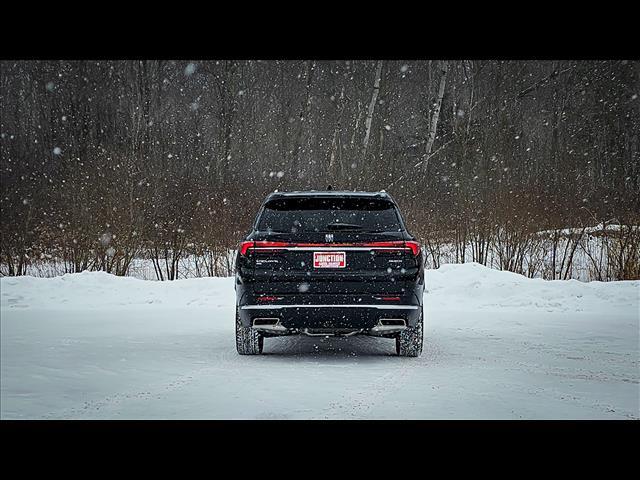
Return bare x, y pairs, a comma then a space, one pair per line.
414, 246
245, 246
264, 244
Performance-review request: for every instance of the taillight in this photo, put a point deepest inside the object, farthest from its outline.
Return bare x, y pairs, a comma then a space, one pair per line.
390, 245
393, 244
244, 246
414, 246
396, 244
262, 245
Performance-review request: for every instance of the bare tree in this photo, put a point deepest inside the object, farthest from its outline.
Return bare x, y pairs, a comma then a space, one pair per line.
433, 124
371, 109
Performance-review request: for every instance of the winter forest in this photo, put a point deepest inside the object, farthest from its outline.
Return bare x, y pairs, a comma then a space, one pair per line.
157, 168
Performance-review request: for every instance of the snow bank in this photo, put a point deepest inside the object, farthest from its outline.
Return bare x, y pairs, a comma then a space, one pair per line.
468, 285
101, 290
601, 228
472, 285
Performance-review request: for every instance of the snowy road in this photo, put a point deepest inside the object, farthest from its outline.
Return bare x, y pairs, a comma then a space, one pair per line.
498, 346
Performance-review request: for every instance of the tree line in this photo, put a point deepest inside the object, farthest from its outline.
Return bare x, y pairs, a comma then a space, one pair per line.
102, 162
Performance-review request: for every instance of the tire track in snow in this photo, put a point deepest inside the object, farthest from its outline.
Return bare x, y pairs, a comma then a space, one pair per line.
90, 408
360, 403
357, 402
220, 360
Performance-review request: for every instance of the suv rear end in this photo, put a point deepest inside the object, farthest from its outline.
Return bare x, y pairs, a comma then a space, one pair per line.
329, 263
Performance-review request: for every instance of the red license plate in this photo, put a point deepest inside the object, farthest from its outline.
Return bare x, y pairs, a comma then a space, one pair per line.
329, 260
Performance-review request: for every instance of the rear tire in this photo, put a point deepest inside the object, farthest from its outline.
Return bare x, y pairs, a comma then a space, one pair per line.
248, 341
409, 342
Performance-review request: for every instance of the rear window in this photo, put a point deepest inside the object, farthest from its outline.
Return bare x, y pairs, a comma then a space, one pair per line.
293, 215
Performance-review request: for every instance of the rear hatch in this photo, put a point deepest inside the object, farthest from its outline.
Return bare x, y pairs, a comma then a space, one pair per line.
330, 245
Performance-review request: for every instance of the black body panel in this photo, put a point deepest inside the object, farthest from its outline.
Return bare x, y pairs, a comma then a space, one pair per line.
379, 277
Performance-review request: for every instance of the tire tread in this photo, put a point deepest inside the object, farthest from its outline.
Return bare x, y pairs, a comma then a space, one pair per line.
248, 341
409, 342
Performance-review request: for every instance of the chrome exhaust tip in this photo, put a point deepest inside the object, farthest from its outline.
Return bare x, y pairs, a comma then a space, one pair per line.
389, 325
269, 325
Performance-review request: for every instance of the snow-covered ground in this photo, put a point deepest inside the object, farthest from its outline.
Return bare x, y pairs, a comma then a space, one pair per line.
497, 345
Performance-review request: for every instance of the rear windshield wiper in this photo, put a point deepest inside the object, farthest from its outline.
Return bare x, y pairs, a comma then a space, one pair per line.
343, 226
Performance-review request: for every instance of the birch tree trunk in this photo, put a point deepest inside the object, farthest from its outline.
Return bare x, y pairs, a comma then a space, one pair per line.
433, 125
336, 130
305, 114
372, 106
352, 147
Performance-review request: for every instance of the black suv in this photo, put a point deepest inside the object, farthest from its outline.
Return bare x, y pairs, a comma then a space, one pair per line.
329, 263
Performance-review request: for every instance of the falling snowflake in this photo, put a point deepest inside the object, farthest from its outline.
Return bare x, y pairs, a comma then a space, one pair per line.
105, 239
190, 69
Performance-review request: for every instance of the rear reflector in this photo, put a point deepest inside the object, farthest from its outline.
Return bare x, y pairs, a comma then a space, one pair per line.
269, 299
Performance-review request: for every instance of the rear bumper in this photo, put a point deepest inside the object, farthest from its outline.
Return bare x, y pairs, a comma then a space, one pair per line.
334, 316
329, 305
